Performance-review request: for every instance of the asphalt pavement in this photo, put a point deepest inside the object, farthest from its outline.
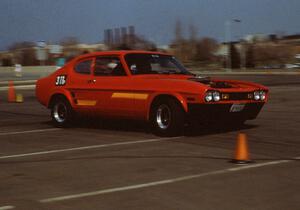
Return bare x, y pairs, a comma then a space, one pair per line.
101, 164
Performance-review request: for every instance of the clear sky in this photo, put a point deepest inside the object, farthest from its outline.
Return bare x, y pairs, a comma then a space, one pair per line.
51, 20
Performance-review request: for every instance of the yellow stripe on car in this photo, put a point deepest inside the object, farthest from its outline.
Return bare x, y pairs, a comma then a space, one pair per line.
86, 102
140, 96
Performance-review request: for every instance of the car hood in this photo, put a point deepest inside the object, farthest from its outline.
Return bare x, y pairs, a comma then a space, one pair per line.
207, 82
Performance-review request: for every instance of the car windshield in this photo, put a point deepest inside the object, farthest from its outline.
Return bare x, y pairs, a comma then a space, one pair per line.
154, 64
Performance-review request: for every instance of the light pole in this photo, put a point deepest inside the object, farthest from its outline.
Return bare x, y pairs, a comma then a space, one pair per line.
227, 43
243, 55
227, 25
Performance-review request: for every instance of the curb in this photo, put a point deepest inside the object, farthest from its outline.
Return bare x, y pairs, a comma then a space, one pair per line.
16, 82
20, 87
245, 73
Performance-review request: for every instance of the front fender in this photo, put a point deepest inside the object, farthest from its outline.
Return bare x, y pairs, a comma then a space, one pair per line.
179, 97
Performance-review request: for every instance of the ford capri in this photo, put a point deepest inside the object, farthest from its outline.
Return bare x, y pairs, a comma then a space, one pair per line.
149, 86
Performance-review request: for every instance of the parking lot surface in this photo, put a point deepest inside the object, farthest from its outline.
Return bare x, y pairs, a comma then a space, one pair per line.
101, 164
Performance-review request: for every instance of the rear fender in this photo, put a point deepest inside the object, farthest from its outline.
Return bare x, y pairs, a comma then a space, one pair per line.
65, 93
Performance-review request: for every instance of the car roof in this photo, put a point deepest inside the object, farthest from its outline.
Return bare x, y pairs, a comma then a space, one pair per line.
118, 52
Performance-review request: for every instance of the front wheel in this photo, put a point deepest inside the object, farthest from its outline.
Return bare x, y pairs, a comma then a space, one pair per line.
167, 117
62, 113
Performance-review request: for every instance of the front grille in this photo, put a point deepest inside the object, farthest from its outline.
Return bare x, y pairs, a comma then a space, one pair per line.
216, 112
237, 96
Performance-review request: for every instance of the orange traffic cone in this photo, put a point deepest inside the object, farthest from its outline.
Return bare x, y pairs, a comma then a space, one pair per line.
241, 151
11, 92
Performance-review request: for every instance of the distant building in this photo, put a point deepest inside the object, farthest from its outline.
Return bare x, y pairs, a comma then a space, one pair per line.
262, 50
291, 39
47, 54
77, 49
253, 38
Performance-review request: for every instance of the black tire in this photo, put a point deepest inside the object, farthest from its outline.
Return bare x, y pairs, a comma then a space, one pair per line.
62, 113
167, 117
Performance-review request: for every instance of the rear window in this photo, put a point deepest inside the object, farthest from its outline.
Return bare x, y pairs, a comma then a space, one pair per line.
108, 66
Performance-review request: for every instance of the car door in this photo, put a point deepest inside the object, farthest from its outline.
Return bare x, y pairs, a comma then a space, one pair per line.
81, 84
112, 87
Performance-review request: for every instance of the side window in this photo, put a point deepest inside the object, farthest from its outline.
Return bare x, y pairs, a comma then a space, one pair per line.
108, 66
83, 67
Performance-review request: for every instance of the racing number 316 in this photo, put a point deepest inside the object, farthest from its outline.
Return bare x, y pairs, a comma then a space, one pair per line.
60, 80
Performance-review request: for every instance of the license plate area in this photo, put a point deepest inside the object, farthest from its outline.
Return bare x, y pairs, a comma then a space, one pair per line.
237, 107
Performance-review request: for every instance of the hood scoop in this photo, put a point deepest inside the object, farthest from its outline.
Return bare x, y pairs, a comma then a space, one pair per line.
209, 82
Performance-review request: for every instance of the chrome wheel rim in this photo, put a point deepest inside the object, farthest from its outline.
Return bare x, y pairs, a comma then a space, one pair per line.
60, 112
163, 116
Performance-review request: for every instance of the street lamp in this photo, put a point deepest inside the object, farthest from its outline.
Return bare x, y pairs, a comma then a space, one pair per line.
228, 40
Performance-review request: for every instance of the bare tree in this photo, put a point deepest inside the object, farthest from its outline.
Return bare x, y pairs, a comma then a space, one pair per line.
193, 50
21, 45
178, 31
24, 53
193, 32
271, 54
205, 50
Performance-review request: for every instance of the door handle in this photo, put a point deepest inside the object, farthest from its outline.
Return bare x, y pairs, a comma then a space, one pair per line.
91, 81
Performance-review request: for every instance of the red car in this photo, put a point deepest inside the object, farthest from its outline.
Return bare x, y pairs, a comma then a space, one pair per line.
149, 86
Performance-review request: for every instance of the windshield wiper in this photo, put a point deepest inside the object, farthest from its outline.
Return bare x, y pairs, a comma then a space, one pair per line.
175, 72
164, 72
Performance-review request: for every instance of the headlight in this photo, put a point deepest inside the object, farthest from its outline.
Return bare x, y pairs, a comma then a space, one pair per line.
209, 97
259, 95
212, 96
262, 95
216, 96
256, 95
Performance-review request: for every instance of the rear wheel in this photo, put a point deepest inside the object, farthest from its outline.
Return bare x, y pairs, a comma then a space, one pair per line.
62, 113
167, 117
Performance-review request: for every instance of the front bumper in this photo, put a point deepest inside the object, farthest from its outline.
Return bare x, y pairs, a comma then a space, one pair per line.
217, 112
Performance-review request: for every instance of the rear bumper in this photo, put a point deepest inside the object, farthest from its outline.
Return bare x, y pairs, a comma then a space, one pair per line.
216, 112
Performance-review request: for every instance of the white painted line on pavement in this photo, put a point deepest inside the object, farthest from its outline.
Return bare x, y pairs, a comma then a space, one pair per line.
87, 147
29, 131
260, 165
6, 207
162, 182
